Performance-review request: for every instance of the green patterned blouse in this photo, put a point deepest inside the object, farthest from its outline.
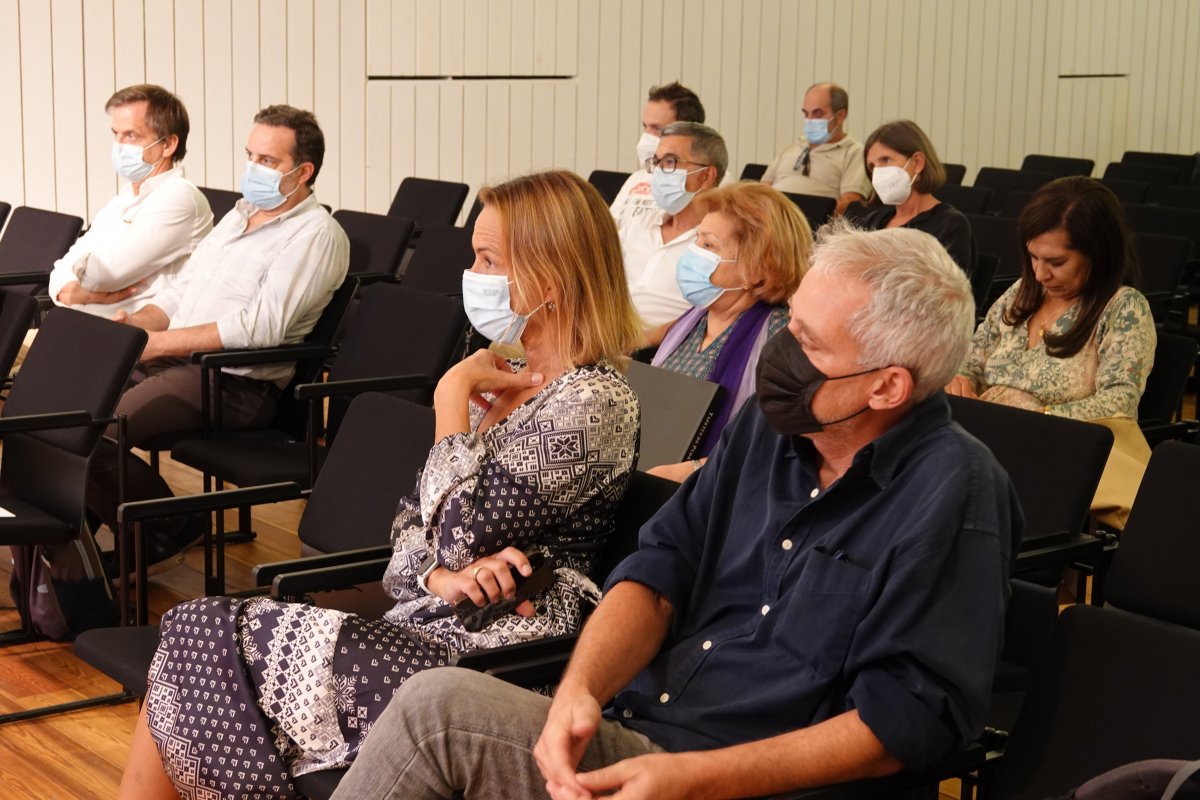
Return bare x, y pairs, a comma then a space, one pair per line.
1104, 379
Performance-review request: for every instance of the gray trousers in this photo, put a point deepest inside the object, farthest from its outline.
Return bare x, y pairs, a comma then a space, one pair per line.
451, 733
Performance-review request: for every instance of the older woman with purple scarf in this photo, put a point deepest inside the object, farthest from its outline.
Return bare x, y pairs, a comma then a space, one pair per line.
751, 251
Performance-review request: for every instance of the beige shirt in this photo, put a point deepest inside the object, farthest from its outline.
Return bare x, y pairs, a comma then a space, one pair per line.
833, 170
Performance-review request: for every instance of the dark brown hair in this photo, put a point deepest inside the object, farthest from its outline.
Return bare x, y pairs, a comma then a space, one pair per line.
906, 138
164, 113
683, 100
310, 142
1094, 222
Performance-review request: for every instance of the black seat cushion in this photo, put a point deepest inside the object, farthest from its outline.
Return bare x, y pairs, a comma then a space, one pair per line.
248, 463
30, 525
124, 654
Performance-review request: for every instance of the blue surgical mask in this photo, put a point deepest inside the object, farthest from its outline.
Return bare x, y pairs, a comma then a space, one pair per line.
127, 160
693, 273
669, 189
489, 309
260, 186
816, 131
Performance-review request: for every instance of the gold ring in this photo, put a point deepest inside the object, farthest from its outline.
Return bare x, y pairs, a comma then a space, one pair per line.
475, 572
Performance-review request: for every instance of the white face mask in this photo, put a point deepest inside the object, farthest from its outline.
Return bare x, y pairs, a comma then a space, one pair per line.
892, 184
489, 310
128, 160
646, 147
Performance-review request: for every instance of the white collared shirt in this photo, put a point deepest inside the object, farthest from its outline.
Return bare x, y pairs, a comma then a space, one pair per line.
634, 199
650, 268
136, 239
263, 288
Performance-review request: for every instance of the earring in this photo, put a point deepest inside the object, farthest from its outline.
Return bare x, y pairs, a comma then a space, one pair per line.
550, 306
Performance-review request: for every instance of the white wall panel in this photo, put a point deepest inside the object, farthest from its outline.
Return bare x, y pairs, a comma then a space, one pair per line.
982, 78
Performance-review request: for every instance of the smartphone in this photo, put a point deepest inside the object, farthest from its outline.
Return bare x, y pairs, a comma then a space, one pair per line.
475, 618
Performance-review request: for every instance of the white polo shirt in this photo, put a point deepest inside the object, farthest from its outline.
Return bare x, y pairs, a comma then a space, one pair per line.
650, 267
136, 239
634, 199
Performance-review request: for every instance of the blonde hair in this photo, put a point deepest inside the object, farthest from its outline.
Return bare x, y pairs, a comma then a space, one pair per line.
773, 237
559, 233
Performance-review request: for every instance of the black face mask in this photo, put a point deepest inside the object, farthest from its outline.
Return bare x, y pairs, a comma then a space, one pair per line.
787, 383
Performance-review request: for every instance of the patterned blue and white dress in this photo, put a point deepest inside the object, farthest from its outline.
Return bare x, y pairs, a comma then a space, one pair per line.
245, 693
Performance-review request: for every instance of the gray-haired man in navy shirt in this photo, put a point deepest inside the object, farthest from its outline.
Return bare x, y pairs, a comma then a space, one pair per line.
822, 602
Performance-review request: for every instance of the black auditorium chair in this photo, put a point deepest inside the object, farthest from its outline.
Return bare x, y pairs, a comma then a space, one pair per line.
982, 276
1176, 196
33, 240
56, 413
16, 314
1152, 174
1174, 359
1187, 165
1014, 204
473, 215
221, 201
817, 210
1128, 191
426, 201
753, 172
1162, 260
967, 199
377, 242
1032, 448
5, 208
1166, 221
1058, 166
998, 236
437, 262
676, 412
608, 183
954, 173
1002, 181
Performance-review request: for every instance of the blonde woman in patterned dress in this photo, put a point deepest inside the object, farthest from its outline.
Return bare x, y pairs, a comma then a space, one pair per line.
1073, 337
244, 694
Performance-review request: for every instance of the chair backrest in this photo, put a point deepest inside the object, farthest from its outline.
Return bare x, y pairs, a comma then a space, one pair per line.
1154, 174
221, 201
982, 276
608, 183
1174, 357
383, 443
1162, 260
676, 412
16, 314
1014, 203
397, 331
998, 236
5, 208
473, 215
1128, 191
954, 173
753, 172
1186, 164
78, 362
438, 260
1058, 166
967, 199
1176, 196
1054, 462
377, 242
427, 201
1002, 181
1166, 221
645, 496
34, 240
1115, 689
1154, 569
817, 210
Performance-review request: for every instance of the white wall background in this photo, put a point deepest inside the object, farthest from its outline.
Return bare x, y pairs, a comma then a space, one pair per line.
540, 83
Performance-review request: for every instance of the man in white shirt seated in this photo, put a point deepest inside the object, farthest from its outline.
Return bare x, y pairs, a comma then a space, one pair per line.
690, 159
664, 105
825, 161
260, 279
144, 235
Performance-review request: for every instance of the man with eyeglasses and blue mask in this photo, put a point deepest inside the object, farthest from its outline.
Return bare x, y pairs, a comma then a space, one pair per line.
825, 161
690, 159
142, 237
260, 279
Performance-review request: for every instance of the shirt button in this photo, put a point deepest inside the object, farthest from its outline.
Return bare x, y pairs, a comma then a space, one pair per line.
627, 714
707, 645
786, 544
814, 493
765, 609
664, 697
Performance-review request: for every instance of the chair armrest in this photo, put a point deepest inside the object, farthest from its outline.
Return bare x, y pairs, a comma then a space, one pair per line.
528, 664
264, 574
391, 383
211, 501
18, 278
367, 278
44, 422
297, 584
1058, 550
266, 355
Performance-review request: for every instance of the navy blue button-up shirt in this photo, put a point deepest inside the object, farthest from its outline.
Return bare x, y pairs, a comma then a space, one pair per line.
884, 592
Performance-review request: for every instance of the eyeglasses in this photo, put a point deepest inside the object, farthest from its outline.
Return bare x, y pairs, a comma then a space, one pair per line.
668, 163
802, 163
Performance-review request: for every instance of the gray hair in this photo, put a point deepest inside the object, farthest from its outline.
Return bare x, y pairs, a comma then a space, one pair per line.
921, 314
707, 145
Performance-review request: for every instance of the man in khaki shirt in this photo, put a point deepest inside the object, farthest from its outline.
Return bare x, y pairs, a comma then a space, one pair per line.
824, 161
